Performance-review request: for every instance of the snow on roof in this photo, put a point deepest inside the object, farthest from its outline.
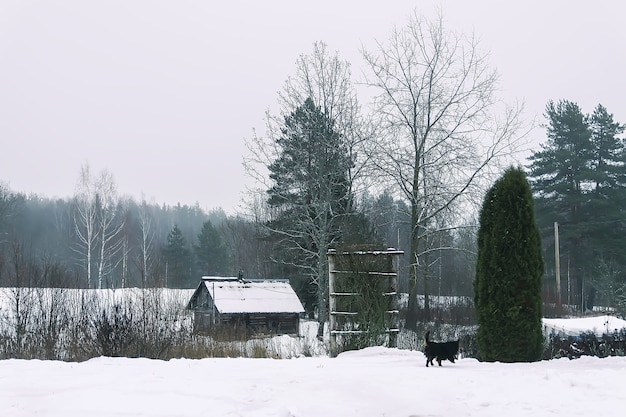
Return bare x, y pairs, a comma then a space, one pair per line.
234, 296
575, 326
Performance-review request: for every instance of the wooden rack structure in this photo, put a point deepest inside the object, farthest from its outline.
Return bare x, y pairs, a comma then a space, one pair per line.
391, 277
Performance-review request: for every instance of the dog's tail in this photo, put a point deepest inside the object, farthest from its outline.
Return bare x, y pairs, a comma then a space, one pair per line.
427, 336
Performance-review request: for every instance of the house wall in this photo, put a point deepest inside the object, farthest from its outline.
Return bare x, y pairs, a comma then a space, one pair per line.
203, 321
202, 300
281, 323
257, 323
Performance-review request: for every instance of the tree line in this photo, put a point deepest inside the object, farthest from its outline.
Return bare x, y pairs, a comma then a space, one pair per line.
106, 241
155, 245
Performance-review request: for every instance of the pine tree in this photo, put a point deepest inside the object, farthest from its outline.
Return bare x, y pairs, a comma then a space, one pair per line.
608, 161
508, 273
608, 195
310, 195
210, 251
561, 168
177, 257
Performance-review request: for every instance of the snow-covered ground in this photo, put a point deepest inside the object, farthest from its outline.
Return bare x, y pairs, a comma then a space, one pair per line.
575, 326
372, 382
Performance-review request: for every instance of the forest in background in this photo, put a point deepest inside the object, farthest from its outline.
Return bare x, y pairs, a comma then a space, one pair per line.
152, 245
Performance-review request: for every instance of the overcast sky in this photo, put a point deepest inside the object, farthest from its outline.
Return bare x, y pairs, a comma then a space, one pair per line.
163, 93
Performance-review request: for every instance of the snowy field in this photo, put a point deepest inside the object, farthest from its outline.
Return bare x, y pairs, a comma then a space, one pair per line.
371, 382
575, 326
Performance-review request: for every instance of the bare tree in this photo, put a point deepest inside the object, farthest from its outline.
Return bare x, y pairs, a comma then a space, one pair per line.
21, 298
85, 217
97, 224
248, 253
440, 129
147, 246
7, 206
110, 225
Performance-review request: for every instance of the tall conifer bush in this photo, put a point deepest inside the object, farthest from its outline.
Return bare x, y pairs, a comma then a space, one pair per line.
507, 286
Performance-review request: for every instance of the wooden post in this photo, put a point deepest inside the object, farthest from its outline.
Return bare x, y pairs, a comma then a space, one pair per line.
332, 303
395, 305
569, 285
557, 263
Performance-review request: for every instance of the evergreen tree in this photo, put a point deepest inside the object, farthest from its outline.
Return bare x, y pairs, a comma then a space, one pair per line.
508, 273
560, 173
211, 253
310, 197
607, 166
561, 168
177, 257
608, 197
579, 179
605, 208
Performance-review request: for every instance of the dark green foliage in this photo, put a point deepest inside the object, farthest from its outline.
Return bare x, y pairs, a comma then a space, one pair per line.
558, 174
356, 229
211, 253
311, 200
579, 179
508, 273
603, 209
561, 167
312, 170
178, 261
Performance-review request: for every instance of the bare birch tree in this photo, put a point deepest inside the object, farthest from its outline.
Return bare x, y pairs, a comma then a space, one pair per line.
442, 130
85, 220
110, 225
97, 224
147, 246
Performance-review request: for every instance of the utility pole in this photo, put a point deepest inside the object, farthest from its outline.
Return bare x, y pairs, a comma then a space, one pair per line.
557, 262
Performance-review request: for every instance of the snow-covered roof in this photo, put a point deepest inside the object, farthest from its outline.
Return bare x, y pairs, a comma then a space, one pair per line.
575, 326
231, 295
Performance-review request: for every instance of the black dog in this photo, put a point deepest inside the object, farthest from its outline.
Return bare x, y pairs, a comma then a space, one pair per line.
440, 351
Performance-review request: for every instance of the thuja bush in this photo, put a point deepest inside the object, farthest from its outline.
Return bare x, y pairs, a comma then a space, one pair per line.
509, 268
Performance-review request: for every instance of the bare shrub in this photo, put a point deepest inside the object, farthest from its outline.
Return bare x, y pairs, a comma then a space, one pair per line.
76, 325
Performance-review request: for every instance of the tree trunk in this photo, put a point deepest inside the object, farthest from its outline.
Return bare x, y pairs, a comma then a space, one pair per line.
412, 310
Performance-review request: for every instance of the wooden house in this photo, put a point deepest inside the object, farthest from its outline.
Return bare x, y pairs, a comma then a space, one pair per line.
260, 306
